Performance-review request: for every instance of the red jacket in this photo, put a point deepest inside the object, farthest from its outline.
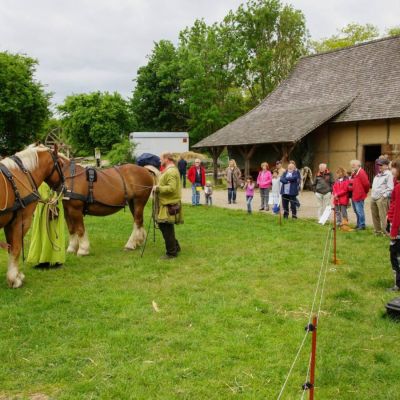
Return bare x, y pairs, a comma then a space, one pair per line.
393, 214
341, 190
192, 175
361, 185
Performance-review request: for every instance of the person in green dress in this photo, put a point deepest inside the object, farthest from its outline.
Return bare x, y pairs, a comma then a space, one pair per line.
47, 247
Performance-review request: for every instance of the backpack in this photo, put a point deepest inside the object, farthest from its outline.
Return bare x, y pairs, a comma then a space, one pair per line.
148, 159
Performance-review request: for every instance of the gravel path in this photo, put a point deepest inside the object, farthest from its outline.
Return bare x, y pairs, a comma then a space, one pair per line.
308, 208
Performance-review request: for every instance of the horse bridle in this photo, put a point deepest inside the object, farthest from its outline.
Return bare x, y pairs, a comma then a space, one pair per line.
56, 168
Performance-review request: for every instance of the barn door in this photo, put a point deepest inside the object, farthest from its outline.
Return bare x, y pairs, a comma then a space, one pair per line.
371, 153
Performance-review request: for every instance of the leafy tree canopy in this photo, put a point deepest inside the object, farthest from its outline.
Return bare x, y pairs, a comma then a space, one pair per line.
218, 72
95, 120
350, 35
156, 101
24, 105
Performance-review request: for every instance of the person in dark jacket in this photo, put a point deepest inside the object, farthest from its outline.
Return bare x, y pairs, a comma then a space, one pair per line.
393, 219
359, 185
323, 188
290, 189
197, 177
182, 167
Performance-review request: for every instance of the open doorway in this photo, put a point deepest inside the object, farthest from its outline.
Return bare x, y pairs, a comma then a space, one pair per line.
371, 153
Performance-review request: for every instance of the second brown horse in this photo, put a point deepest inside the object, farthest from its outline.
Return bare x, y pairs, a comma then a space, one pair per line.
108, 193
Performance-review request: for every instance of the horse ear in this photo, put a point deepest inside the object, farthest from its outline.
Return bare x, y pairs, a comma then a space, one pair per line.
55, 149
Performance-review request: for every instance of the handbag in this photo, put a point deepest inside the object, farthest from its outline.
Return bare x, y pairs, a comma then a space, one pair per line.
173, 209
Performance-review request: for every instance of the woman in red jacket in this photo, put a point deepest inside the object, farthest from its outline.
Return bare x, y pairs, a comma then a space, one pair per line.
393, 218
340, 192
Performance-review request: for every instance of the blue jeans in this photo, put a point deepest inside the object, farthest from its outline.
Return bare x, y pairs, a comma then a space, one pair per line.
231, 195
249, 200
358, 207
195, 194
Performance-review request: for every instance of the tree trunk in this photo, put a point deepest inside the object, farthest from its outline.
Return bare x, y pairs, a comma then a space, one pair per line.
247, 152
215, 153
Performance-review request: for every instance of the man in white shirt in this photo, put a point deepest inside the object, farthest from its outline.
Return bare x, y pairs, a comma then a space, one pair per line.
382, 187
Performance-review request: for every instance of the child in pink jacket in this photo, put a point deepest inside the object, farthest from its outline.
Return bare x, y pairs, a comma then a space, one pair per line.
264, 182
341, 199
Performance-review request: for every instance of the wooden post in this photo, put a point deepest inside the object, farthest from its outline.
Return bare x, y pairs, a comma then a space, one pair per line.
247, 152
287, 149
313, 357
335, 261
215, 153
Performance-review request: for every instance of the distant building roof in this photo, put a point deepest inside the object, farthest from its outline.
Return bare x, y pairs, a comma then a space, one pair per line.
136, 135
356, 83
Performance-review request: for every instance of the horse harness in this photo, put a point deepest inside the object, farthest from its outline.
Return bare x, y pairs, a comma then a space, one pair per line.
91, 178
21, 202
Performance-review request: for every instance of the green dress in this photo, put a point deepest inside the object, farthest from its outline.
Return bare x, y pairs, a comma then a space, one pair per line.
48, 230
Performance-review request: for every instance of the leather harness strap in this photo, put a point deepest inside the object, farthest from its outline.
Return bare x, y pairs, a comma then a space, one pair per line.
123, 184
91, 177
20, 202
21, 166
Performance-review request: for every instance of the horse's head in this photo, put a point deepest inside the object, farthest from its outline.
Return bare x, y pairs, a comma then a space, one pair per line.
51, 163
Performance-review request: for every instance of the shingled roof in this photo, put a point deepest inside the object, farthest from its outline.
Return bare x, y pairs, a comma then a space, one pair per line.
356, 83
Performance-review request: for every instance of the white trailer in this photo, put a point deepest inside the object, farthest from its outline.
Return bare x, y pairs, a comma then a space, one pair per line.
159, 142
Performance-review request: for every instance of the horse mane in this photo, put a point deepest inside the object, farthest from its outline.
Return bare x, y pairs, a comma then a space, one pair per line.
28, 156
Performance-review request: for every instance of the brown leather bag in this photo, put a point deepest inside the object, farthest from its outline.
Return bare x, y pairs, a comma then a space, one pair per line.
173, 209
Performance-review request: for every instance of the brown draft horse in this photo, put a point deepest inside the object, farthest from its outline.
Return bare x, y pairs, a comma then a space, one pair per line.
112, 189
19, 178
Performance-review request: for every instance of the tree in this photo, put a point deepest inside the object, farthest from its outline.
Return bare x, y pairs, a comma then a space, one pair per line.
219, 71
267, 38
350, 35
24, 105
121, 152
208, 86
156, 99
95, 120
394, 31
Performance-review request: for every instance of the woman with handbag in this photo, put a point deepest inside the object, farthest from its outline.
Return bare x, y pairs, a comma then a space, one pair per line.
168, 211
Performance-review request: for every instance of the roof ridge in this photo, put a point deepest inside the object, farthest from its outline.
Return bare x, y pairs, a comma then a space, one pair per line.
351, 47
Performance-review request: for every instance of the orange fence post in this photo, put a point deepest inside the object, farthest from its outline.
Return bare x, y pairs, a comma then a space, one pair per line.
313, 357
335, 260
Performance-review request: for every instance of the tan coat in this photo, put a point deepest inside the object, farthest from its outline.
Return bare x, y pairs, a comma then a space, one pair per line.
236, 174
169, 191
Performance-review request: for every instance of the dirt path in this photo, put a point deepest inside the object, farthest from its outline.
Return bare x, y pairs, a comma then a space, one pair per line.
308, 208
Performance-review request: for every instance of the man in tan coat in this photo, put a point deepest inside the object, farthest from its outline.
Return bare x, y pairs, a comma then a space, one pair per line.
168, 210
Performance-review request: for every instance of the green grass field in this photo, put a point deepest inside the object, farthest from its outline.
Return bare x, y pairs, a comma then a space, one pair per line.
232, 312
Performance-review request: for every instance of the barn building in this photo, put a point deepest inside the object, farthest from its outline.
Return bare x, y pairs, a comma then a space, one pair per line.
333, 107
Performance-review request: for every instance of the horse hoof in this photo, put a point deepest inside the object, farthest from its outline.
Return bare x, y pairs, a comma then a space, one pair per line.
129, 248
71, 250
16, 283
83, 253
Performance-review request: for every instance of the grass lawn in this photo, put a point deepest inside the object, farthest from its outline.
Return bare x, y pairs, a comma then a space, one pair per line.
232, 312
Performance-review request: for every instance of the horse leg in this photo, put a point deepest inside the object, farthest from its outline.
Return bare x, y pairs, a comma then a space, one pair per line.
78, 239
138, 235
73, 245
83, 240
84, 244
15, 233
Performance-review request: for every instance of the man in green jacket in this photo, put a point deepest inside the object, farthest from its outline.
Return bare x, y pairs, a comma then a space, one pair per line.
168, 211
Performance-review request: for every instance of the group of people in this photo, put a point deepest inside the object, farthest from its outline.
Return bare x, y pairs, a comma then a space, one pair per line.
355, 186
281, 187
385, 200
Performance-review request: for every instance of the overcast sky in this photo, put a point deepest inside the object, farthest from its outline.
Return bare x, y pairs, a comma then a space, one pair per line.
87, 45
